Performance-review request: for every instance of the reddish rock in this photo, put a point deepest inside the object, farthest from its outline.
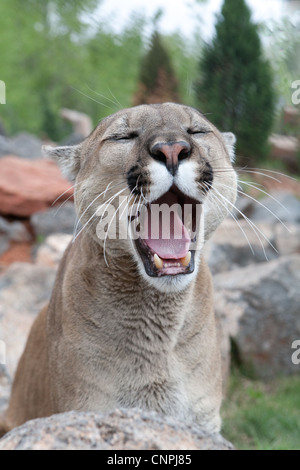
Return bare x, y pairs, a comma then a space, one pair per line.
30, 186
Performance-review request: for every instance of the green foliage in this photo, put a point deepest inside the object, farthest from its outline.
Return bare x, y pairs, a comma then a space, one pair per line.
51, 57
262, 416
235, 86
283, 50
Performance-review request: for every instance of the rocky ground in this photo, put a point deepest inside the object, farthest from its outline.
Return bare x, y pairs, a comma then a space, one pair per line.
256, 270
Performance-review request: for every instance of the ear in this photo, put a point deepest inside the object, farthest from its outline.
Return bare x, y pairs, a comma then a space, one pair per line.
230, 140
67, 157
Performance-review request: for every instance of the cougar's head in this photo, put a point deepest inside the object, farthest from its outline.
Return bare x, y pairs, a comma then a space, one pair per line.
153, 181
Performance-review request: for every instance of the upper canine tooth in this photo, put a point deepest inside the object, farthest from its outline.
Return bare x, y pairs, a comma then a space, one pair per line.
186, 260
158, 261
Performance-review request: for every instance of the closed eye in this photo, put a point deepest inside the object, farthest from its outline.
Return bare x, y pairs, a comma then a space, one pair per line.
198, 131
124, 137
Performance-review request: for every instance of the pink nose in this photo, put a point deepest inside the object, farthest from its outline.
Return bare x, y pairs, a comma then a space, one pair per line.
171, 153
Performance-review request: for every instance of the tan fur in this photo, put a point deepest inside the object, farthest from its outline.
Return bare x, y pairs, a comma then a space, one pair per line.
111, 335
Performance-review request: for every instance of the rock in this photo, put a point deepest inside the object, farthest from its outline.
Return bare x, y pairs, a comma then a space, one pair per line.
27, 145
291, 116
282, 205
52, 250
244, 205
14, 231
58, 219
236, 244
4, 243
259, 309
287, 240
5, 385
23, 145
82, 123
285, 148
24, 290
6, 146
27, 187
119, 430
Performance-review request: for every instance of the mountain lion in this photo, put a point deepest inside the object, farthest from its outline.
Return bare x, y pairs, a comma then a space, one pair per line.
130, 322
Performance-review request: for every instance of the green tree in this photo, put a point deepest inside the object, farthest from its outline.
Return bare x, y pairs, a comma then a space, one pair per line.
56, 55
235, 85
157, 80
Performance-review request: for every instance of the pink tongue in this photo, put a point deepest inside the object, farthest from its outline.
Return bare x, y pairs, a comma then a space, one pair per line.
166, 235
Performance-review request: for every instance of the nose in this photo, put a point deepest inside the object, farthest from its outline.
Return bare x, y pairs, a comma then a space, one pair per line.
171, 153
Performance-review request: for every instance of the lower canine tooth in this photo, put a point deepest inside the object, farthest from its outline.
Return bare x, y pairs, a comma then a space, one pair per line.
186, 260
158, 261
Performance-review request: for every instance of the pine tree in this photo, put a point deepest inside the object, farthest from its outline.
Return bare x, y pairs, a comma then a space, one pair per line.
235, 85
157, 80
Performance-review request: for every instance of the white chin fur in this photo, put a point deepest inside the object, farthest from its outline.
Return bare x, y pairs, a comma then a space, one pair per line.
161, 180
170, 284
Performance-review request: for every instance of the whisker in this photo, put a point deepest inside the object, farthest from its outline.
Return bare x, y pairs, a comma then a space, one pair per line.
252, 225
62, 194
254, 186
90, 98
105, 97
238, 223
87, 208
116, 100
258, 202
107, 232
95, 213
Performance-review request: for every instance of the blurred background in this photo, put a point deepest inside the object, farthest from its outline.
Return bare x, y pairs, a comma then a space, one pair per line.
65, 65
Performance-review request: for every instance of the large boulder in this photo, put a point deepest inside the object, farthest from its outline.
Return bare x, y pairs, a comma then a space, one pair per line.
258, 307
119, 430
24, 290
23, 144
279, 206
58, 219
27, 186
238, 243
51, 251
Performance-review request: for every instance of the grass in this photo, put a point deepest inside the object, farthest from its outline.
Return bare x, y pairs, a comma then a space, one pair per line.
262, 416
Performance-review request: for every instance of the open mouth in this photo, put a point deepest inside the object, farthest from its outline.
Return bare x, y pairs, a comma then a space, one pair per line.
168, 234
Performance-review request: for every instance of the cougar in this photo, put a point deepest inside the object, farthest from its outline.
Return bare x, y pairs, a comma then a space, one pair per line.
130, 322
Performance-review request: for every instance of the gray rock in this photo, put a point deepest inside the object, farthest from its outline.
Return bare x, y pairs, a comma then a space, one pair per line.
51, 251
259, 306
6, 146
238, 243
287, 239
24, 290
5, 385
27, 145
284, 206
119, 430
4, 243
14, 231
23, 145
58, 219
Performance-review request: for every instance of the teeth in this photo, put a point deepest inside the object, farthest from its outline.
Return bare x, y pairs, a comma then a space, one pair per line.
183, 262
186, 260
158, 261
